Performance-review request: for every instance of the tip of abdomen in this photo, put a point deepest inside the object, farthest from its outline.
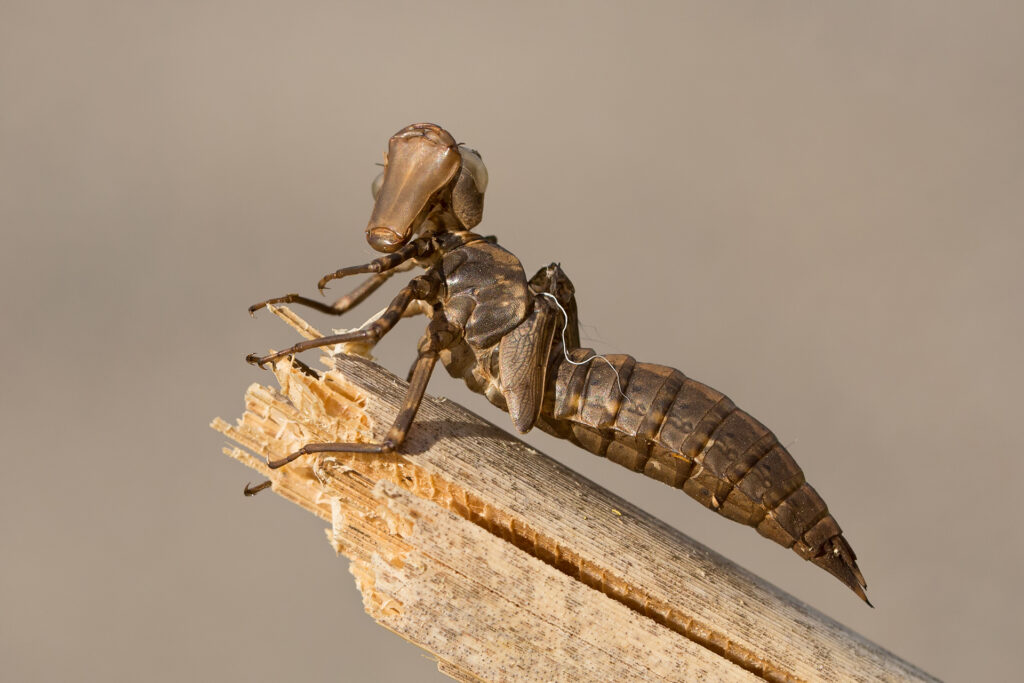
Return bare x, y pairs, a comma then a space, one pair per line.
839, 560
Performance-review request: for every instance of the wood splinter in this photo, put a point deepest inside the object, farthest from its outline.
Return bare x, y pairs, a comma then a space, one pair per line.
505, 565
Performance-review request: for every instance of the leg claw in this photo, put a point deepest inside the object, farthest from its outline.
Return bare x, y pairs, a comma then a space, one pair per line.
251, 490
258, 361
345, 272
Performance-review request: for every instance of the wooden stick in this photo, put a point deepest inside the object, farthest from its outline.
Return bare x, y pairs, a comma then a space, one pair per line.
505, 565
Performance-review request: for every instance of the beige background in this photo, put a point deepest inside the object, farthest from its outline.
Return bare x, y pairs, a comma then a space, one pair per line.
815, 209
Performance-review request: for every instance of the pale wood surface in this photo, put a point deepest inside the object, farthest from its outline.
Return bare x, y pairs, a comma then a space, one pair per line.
508, 566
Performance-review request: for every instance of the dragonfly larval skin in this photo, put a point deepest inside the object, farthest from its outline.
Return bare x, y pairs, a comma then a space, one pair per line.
516, 340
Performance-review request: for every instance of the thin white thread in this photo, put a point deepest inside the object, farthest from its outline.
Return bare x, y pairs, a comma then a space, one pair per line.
565, 351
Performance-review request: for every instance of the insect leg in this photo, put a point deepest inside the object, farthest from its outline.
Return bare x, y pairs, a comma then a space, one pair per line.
251, 490
399, 428
342, 305
440, 334
422, 287
418, 248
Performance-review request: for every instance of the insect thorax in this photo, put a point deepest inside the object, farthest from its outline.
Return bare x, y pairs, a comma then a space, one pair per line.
486, 292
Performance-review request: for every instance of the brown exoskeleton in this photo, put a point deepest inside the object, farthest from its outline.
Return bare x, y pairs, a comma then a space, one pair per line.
516, 341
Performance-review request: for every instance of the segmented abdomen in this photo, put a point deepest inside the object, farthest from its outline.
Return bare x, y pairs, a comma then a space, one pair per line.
688, 435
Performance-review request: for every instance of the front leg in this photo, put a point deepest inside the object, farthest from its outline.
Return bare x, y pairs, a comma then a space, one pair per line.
342, 305
418, 248
382, 268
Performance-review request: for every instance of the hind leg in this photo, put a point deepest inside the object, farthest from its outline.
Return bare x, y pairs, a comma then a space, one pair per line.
440, 334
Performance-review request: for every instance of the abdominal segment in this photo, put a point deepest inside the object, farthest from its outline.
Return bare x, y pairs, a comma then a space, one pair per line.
655, 420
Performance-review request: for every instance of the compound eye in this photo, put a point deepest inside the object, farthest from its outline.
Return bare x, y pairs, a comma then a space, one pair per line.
376, 184
475, 165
